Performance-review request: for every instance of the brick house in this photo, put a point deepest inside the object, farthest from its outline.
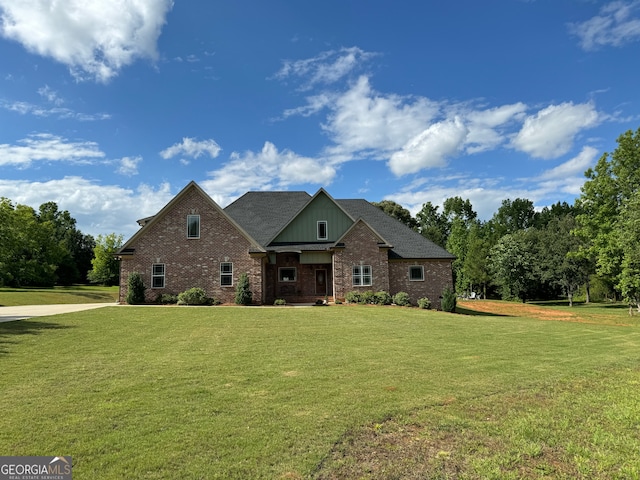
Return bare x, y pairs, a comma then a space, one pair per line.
292, 245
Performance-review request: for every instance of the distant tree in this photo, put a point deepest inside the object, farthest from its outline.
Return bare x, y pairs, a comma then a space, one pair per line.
433, 224
460, 217
513, 265
398, 212
629, 238
244, 296
106, 269
512, 216
476, 262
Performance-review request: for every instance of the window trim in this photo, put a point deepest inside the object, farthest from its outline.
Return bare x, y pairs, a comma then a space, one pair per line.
421, 279
155, 276
224, 274
326, 230
282, 280
189, 217
358, 276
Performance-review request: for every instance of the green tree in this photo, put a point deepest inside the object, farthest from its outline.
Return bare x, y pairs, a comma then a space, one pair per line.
106, 268
135, 289
512, 216
461, 217
513, 265
476, 262
398, 212
244, 296
433, 224
629, 238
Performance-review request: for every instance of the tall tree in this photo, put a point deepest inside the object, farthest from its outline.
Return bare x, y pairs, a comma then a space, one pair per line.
106, 268
433, 224
512, 216
398, 212
513, 261
460, 216
629, 238
476, 262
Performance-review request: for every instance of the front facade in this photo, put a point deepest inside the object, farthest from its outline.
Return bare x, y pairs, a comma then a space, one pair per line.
293, 246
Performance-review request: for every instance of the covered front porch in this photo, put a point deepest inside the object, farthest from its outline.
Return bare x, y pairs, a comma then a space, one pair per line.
299, 277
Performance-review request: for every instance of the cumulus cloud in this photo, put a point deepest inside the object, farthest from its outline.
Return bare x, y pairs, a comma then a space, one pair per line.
267, 169
430, 148
326, 68
193, 148
44, 147
128, 166
551, 132
95, 39
573, 167
98, 209
485, 126
617, 24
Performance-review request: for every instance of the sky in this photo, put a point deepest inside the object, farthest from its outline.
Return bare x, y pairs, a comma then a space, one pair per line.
110, 108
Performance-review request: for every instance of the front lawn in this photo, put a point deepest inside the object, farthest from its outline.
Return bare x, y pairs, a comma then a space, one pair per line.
11, 297
232, 392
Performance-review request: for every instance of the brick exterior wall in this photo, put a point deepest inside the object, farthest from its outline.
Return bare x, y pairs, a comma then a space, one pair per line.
192, 262
361, 247
437, 276
303, 289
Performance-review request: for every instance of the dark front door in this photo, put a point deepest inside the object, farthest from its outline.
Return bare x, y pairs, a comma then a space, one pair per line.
321, 282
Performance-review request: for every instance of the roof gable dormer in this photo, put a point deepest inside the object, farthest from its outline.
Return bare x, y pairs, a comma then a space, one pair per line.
321, 219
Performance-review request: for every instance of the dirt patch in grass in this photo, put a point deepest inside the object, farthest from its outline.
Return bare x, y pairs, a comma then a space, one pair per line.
518, 310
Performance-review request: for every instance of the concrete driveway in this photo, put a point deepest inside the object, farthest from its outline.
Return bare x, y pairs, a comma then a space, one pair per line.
8, 314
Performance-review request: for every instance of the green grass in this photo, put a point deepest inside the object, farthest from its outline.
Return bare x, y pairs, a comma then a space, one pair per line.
10, 297
231, 392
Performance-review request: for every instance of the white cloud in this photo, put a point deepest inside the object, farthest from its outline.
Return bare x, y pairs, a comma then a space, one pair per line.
363, 120
98, 209
267, 169
45, 147
574, 167
430, 148
129, 165
63, 113
615, 26
50, 95
328, 67
484, 132
551, 132
95, 39
192, 148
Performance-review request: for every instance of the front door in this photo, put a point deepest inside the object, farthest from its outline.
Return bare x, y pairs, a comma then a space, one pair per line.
321, 282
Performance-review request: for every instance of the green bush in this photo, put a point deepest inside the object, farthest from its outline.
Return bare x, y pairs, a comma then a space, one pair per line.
448, 300
401, 299
424, 303
244, 296
168, 299
352, 297
193, 296
367, 297
135, 289
280, 301
383, 298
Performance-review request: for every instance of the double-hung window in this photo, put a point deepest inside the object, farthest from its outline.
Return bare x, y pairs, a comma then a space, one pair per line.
157, 275
416, 273
362, 276
322, 230
226, 274
193, 226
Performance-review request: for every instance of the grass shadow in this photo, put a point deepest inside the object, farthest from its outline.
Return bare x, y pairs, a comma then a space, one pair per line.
9, 330
474, 313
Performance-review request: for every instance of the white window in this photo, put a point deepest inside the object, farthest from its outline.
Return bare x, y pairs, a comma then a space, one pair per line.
287, 274
322, 230
362, 276
416, 273
157, 275
226, 274
193, 226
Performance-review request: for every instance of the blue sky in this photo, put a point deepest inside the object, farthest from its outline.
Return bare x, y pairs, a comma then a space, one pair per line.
110, 108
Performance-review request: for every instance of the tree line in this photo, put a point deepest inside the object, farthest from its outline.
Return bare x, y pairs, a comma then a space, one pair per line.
43, 248
592, 246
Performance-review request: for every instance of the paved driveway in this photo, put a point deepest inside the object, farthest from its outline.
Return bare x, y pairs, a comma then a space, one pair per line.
8, 314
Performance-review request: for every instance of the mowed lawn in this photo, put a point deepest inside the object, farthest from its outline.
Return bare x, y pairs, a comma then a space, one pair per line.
321, 392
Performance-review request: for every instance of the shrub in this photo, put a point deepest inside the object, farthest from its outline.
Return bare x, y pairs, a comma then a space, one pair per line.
448, 300
135, 289
338, 301
280, 301
168, 299
367, 297
244, 296
401, 299
383, 298
352, 297
193, 296
424, 303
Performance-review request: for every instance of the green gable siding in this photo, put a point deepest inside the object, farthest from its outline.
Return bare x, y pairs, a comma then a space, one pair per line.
304, 227
315, 257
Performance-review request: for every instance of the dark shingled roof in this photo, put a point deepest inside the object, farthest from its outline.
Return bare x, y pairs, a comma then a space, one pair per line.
263, 214
406, 242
